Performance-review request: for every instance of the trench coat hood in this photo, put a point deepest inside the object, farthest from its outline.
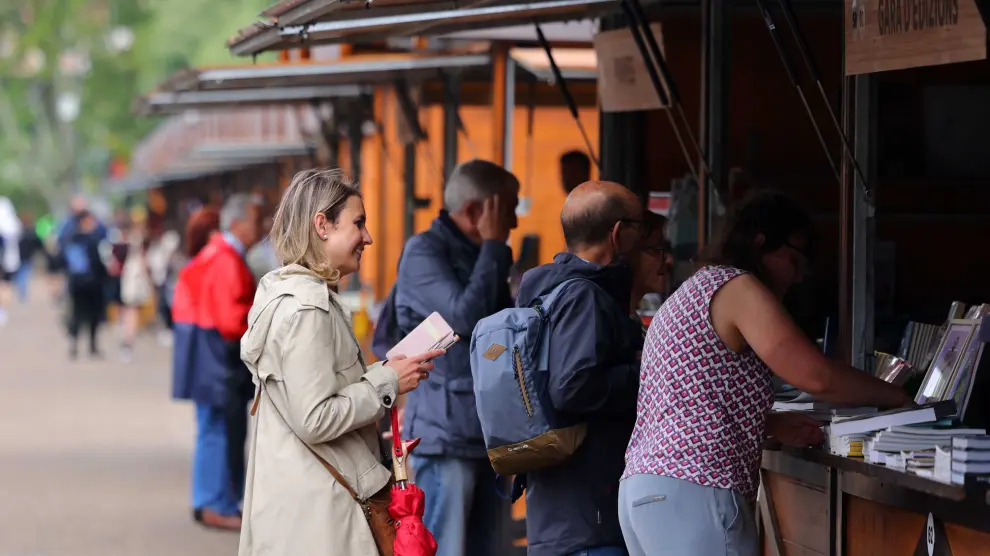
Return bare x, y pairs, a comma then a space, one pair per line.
295, 280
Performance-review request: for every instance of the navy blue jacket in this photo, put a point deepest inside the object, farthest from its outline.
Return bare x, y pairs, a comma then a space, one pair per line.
442, 270
594, 377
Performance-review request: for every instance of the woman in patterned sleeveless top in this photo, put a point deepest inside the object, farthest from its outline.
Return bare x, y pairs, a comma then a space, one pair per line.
692, 465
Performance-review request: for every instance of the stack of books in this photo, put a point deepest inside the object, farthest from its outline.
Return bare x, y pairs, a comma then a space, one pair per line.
824, 412
911, 448
965, 457
848, 446
853, 436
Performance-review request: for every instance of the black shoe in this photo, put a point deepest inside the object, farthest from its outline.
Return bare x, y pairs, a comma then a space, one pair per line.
73, 353
95, 354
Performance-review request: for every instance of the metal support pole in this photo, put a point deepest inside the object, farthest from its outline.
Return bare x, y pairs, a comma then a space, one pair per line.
809, 62
451, 104
789, 68
558, 77
715, 83
510, 110
409, 178
836, 517
355, 136
864, 226
844, 344
651, 61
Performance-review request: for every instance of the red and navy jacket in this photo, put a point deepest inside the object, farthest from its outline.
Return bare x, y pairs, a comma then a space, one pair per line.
213, 295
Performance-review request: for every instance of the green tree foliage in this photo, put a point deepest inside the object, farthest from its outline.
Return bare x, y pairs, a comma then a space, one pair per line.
105, 52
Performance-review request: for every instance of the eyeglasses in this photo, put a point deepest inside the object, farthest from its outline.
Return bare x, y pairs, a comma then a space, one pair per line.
659, 251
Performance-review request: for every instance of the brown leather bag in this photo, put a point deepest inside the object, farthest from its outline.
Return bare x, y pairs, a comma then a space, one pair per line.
375, 508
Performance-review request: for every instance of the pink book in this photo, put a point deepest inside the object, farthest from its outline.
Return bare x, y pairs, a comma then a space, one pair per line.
432, 333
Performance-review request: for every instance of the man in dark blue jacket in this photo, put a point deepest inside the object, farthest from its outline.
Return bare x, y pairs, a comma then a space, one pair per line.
593, 370
460, 269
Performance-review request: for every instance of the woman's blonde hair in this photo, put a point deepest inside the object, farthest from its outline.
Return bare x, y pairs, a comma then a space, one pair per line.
293, 235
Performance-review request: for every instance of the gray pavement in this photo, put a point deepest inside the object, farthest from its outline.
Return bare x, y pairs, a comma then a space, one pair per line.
94, 455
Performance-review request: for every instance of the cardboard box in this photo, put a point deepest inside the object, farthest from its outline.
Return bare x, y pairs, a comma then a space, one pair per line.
623, 81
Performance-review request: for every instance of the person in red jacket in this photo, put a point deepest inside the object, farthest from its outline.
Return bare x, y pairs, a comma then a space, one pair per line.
213, 295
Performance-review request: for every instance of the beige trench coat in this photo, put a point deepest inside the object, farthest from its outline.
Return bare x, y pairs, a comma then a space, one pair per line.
299, 343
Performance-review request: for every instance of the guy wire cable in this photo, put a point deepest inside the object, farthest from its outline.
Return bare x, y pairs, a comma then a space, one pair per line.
564, 90
809, 61
638, 17
651, 70
772, 27
467, 138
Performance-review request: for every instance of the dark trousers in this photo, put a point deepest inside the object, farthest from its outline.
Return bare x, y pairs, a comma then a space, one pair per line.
87, 311
164, 311
240, 391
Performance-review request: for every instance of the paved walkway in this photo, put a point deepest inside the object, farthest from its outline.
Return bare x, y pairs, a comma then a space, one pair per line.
94, 456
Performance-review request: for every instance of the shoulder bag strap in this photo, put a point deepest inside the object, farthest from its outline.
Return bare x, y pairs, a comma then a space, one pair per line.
326, 464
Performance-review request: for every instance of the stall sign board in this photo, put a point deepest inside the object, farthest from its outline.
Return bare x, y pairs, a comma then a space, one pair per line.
623, 81
884, 35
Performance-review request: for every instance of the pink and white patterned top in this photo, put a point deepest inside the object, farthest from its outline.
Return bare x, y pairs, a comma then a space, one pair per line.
702, 408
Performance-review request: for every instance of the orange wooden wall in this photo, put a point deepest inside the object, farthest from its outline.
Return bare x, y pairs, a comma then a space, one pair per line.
535, 162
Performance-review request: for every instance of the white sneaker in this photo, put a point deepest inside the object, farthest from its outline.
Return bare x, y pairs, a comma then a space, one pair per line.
126, 355
165, 338
3, 317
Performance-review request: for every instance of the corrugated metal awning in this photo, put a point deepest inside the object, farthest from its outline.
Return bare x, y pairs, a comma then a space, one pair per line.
333, 21
222, 87
165, 102
363, 70
248, 151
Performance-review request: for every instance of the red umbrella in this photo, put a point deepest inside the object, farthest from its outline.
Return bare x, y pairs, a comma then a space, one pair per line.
412, 538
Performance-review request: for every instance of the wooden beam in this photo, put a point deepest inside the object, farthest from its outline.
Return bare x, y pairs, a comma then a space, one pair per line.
500, 61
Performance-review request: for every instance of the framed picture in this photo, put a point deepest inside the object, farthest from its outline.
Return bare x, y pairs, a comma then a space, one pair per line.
937, 382
963, 378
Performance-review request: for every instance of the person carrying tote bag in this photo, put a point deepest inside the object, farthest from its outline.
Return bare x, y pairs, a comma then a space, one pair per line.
314, 463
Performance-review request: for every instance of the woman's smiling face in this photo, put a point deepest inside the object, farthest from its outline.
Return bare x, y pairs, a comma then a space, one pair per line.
347, 237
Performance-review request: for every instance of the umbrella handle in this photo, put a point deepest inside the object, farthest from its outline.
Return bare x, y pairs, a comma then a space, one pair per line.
399, 461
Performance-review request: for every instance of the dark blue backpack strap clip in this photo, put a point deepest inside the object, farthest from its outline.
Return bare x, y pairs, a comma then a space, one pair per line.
516, 488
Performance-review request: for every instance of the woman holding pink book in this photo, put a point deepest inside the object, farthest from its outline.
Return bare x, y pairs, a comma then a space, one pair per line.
315, 450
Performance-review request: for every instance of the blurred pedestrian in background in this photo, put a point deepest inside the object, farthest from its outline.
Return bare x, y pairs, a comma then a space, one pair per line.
29, 246
135, 289
86, 278
212, 298
10, 260
575, 169
261, 258
164, 263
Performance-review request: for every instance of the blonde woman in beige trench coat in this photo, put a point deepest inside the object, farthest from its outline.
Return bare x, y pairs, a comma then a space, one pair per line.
315, 391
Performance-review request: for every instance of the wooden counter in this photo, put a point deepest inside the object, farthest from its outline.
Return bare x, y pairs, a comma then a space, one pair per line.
813, 503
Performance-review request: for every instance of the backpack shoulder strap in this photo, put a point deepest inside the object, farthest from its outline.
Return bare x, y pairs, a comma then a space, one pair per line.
549, 299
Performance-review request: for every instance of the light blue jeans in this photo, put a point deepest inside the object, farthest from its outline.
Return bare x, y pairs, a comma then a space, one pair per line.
662, 516
212, 487
462, 506
22, 279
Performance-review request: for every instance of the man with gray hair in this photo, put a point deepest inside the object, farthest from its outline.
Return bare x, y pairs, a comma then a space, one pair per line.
460, 269
213, 295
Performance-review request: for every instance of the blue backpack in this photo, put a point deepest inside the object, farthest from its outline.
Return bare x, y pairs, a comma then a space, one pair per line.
509, 363
77, 261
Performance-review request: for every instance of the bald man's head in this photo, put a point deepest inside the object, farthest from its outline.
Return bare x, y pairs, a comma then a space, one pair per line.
593, 209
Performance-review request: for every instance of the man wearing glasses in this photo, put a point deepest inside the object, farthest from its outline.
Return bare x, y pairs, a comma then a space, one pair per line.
593, 370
